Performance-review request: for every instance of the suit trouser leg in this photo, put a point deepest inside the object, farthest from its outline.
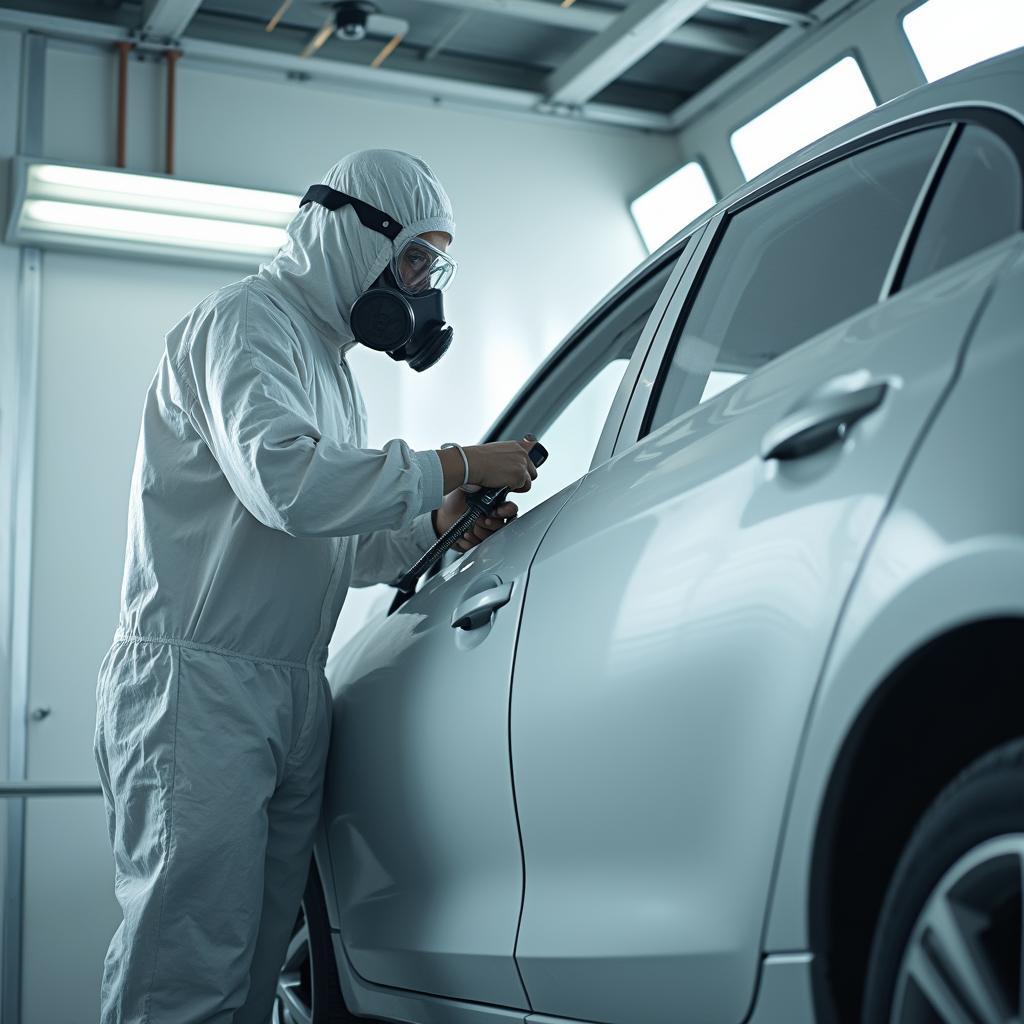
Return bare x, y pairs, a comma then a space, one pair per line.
190, 746
293, 815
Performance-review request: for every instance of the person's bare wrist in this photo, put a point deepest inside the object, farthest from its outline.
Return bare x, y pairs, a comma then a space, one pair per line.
471, 475
453, 468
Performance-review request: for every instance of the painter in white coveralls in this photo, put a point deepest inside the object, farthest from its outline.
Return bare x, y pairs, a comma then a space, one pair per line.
255, 504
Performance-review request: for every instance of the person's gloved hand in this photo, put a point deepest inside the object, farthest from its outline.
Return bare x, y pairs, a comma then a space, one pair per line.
454, 505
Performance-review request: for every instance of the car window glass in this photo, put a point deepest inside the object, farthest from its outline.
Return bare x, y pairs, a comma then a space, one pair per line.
568, 406
571, 438
794, 263
977, 202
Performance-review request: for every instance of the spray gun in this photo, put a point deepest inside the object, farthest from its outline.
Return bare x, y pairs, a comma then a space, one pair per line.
481, 503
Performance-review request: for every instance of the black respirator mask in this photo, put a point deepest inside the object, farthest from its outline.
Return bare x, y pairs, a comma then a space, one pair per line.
403, 318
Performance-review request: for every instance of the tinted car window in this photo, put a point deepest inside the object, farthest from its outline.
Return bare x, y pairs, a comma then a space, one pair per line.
794, 263
977, 202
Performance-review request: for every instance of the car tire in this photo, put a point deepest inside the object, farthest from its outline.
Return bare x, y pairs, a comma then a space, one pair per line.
308, 990
948, 945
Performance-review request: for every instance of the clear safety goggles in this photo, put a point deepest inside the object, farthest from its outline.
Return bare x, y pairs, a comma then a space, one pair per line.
419, 266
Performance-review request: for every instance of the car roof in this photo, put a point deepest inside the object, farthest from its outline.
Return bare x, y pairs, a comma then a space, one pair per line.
996, 84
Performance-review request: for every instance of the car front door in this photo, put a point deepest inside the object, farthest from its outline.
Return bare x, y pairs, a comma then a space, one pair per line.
418, 810
681, 604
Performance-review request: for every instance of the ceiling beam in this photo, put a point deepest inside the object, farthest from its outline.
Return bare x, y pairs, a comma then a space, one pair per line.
781, 47
583, 18
167, 19
761, 12
602, 59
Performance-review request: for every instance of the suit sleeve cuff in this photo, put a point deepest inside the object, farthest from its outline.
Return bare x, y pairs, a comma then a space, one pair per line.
433, 479
423, 532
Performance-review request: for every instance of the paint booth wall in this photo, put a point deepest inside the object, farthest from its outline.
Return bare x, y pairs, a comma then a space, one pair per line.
10, 45
543, 233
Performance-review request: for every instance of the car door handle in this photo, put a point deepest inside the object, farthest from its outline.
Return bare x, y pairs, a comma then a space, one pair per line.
476, 611
821, 422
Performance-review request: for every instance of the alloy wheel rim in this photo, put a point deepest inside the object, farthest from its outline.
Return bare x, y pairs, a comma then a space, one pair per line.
293, 1002
962, 964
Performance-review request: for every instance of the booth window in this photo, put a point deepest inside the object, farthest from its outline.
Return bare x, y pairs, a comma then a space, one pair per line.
949, 35
829, 100
668, 207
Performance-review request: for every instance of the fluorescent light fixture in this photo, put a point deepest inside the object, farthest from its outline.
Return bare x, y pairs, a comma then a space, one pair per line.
837, 95
671, 205
948, 35
120, 212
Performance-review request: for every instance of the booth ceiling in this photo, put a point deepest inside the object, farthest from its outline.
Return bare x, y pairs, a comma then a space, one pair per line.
641, 56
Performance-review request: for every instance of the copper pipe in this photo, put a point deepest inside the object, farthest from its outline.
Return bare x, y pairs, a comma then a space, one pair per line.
387, 51
124, 48
281, 11
172, 59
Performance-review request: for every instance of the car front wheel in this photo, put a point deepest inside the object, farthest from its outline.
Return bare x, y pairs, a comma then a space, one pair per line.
949, 946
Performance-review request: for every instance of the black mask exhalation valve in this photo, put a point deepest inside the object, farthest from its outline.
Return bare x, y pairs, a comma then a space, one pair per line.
407, 327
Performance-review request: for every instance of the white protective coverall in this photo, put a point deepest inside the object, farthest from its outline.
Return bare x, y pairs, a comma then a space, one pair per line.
254, 505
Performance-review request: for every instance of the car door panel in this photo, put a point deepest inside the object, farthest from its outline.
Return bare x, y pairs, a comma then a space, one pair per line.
418, 806
679, 611
420, 825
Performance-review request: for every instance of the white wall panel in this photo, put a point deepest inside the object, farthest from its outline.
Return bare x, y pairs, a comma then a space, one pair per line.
101, 336
81, 107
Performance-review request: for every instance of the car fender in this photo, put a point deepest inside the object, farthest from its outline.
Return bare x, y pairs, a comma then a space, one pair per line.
950, 551
942, 598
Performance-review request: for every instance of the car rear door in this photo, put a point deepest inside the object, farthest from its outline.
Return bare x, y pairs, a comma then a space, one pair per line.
681, 604
418, 809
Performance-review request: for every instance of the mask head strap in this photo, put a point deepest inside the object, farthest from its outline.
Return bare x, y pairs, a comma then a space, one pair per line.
369, 216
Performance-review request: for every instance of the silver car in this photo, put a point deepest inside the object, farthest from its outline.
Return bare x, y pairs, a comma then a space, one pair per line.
729, 725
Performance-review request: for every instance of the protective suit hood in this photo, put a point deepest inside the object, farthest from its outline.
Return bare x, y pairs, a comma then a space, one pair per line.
330, 259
